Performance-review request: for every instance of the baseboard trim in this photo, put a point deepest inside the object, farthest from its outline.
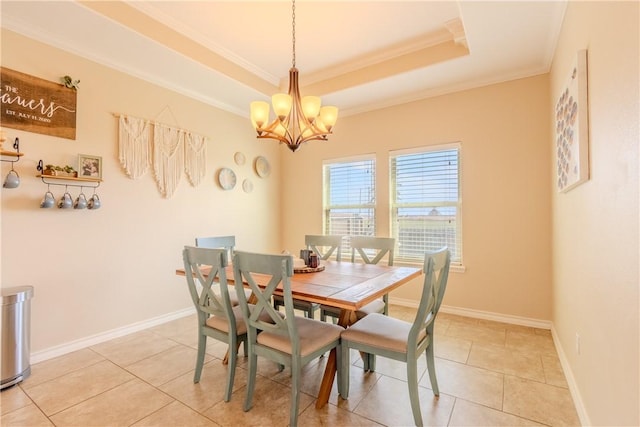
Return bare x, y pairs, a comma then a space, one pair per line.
478, 314
65, 348
571, 381
522, 321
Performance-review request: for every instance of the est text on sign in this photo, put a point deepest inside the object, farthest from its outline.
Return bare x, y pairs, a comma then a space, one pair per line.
35, 105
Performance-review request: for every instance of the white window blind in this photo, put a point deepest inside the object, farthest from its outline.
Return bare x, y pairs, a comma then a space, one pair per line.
349, 199
425, 202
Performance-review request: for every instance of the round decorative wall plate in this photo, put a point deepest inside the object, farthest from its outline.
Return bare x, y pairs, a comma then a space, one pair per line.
226, 178
239, 158
247, 186
263, 168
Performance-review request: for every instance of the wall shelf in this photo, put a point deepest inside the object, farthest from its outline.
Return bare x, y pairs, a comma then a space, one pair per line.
70, 181
67, 181
69, 178
14, 156
11, 154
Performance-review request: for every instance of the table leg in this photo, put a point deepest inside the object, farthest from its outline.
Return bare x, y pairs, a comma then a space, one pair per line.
347, 317
225, 359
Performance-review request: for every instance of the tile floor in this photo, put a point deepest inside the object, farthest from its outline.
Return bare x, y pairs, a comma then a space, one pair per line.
490, 374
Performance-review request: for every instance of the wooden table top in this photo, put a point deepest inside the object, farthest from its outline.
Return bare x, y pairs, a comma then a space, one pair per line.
343, 284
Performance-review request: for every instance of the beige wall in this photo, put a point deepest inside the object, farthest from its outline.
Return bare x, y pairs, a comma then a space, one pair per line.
96, 271
504, 130
595, 225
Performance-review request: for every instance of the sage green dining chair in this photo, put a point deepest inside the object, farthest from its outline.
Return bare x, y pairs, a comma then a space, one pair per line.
222, 242
226, 242
377, 334
288, 340
217, 318
371, 250
324, 247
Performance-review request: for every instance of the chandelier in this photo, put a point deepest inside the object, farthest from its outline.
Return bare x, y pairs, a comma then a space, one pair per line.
298, 119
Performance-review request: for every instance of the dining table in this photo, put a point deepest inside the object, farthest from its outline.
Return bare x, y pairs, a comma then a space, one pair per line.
345, 285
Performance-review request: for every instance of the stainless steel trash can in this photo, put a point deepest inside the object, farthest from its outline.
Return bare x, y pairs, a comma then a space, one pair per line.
16, 334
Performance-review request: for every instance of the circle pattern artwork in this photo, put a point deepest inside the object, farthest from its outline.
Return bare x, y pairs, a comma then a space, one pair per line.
263, 168
247, 186
239, 158
566, 138
227, 178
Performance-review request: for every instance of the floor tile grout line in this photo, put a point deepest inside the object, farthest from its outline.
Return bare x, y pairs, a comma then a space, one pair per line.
173, 399
66, 373
26, 392
33, 402
456, 400
87, 399
453, 408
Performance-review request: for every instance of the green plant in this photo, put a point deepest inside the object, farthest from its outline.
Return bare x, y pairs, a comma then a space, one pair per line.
67, 168
67, 81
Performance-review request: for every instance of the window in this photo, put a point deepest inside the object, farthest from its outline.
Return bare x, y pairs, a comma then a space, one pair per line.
425, 201
349, 198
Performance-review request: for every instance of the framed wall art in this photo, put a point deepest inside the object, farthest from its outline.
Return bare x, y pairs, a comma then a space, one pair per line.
36, 105
572, 128
89, 166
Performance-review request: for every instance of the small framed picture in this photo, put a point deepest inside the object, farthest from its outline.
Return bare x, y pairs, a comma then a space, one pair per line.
89, 166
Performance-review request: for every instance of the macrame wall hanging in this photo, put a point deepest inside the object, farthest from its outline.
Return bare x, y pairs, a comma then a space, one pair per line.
134, 150
169, 149
195, 156
168, 157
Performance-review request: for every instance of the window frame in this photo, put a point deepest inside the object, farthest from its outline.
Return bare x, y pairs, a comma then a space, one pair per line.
326, 191
456, 263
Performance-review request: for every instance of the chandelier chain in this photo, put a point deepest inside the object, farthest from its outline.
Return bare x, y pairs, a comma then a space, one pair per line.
293, 31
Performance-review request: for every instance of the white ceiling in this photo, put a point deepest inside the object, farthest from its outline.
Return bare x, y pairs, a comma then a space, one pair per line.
357, 55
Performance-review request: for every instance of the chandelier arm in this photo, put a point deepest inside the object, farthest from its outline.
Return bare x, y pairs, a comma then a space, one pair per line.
270, 130
315, 137
270, 135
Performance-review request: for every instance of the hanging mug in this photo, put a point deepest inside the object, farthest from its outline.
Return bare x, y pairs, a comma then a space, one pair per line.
66, 201
12, 180
48, 201
81, 202
94, 202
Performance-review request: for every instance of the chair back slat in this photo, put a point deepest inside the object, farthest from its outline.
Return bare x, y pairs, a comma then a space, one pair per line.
263, 273
201, 286
441, 264
436, 271
324, 246
380, 246
226, 242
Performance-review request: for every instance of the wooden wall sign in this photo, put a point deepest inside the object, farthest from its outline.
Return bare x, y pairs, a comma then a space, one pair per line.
35, 105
